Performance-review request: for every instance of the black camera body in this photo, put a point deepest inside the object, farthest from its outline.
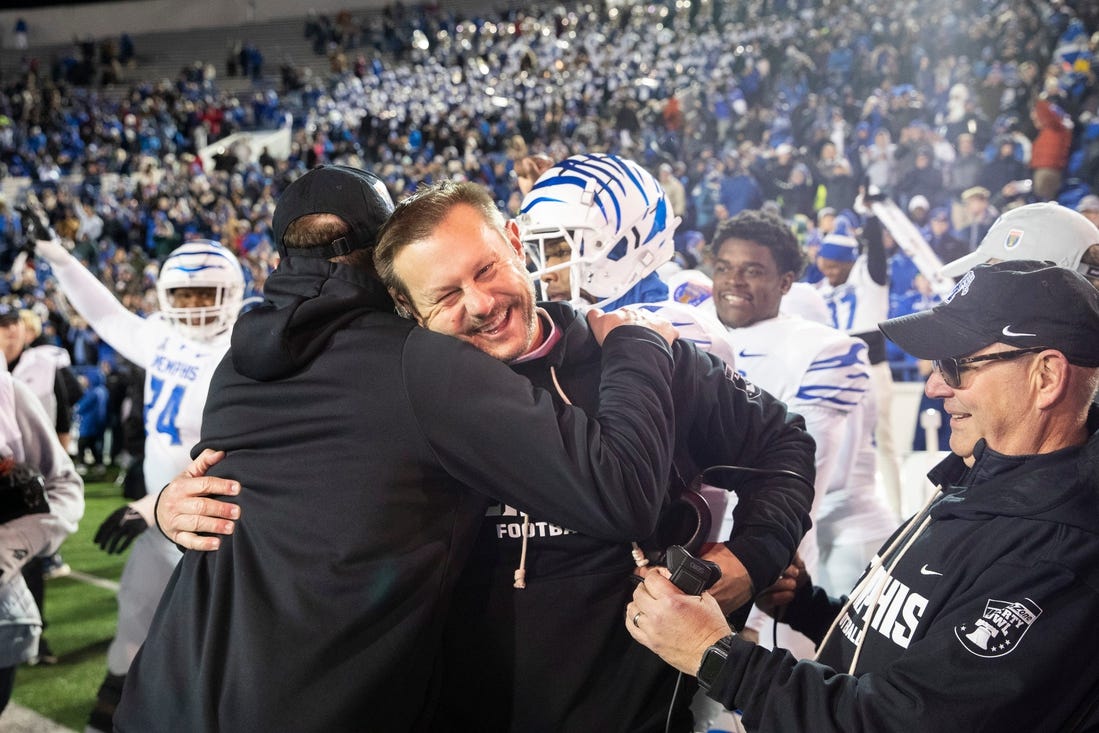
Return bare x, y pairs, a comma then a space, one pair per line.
22, 491
690, 574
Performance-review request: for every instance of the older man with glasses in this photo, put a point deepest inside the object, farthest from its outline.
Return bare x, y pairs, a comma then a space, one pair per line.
978, 614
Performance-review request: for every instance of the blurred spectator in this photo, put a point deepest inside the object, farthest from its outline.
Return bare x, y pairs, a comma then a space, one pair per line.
879, 162
1089, 207
19, 34
673, 189
965, 170
923, 179
1049, 155
528, 168
738, 189
1004, 168
919, 211
91, 415
941, 237
835, 174
978, 217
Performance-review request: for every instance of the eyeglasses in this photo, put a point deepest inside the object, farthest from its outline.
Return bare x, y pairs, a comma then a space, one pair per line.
951, 369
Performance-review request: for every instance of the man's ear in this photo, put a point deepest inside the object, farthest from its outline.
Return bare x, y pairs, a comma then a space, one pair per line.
1052, 378
786, 282
403, 307
511, 229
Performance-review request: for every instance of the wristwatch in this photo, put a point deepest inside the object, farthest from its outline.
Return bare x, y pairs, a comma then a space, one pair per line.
713, 660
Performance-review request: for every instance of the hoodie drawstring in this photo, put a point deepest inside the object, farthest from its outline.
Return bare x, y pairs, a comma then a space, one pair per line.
521, 571
908, 537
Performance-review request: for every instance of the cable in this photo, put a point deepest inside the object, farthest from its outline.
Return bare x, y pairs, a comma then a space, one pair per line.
760, 471
694, 486
671, 708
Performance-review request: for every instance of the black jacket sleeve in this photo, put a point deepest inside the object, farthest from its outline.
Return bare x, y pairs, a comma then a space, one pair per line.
938, 683
812, 612
876, 262
603, 475
67, 390
732, 422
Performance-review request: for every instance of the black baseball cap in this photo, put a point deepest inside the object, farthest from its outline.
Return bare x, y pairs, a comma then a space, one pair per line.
1023, 303
358, 197
8, 314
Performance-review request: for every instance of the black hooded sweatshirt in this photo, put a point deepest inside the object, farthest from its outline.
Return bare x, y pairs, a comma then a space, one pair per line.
555, 656
367, 448
980, 615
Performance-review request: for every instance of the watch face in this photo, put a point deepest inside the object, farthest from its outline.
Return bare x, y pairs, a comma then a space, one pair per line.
712, 662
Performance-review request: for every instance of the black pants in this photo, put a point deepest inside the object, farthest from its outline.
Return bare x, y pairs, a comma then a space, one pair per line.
7, 682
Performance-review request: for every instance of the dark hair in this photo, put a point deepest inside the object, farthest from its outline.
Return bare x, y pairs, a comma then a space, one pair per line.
418, 216
766, 230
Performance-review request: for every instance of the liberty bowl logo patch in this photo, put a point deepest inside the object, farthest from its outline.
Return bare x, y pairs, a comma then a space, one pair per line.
1013, 238
999, 629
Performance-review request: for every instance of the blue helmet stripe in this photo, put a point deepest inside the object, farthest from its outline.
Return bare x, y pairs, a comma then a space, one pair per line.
195, 268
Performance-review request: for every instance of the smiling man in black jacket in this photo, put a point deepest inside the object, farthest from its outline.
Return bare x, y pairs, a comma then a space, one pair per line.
551, 655
978, 614
369, 448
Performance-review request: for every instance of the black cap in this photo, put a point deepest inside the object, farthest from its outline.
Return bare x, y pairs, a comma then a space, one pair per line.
8, 314
1023, 303
358, 197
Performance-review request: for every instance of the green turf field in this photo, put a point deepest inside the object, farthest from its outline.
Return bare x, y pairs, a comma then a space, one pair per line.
81, 620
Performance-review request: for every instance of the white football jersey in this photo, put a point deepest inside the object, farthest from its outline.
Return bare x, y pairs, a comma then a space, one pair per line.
802, 299
177, 378
823, 375
858, 305
177, 369
698, 325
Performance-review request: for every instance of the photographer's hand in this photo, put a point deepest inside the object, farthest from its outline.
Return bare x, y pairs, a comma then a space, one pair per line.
677, 626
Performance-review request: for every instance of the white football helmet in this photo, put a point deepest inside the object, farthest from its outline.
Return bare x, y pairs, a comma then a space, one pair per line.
611, 212
202, 264
1041, 231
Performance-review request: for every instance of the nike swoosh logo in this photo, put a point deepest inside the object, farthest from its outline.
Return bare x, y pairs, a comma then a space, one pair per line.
925, 571
745, 355
1008, 332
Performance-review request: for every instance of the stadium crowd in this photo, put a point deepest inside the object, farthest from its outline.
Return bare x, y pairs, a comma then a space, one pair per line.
778, 104
807, 109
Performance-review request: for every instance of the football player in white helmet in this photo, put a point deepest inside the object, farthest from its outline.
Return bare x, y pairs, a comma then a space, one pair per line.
597, 227
200, 289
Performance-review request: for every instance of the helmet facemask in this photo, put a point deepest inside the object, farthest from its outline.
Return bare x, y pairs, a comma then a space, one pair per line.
201, 265
611, 214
